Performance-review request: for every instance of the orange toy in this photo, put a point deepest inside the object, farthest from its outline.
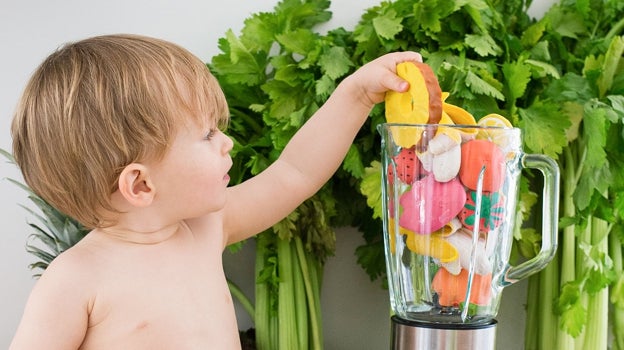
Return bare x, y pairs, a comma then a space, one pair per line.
451, 289
476, 154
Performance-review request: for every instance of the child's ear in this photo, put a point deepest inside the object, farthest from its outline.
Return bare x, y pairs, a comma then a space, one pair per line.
135, 185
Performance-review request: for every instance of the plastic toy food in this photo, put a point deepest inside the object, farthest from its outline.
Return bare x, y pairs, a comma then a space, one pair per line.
452, 289
422, 103
494, 135
432, 245
462, 242
407, 166
430, 204
492, 211
476, 154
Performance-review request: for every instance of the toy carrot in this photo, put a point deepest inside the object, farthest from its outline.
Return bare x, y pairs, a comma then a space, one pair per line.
451, 289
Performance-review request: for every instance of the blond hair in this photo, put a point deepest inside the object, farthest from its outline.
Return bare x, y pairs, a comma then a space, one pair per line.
95, 106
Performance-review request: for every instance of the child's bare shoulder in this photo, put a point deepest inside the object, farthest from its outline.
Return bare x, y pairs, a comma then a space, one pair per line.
72, 267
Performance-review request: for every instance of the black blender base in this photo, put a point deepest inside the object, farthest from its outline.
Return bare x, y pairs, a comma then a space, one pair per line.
412, 335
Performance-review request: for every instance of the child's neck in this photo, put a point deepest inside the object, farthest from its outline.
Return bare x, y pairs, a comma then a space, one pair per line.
141, 235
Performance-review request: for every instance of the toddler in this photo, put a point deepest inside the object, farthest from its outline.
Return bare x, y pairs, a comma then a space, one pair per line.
125, 134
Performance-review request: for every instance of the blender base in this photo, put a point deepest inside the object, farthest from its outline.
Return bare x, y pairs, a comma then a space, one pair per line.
412, 335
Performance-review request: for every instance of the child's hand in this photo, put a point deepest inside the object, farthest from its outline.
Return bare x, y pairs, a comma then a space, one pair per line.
374, 79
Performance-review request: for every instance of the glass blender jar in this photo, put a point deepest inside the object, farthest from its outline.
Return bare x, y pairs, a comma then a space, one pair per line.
449, 195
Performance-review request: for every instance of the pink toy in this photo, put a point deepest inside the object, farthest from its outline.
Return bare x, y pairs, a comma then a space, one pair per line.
429, 204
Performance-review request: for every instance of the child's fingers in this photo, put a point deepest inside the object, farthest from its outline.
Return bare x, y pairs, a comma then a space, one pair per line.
394, 81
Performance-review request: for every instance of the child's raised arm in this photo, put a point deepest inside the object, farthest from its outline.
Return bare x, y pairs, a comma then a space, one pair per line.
315, 151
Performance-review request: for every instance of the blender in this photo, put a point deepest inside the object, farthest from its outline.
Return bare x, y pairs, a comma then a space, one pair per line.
449, 209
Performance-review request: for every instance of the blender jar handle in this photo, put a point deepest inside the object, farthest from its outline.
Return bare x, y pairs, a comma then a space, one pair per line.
550, 211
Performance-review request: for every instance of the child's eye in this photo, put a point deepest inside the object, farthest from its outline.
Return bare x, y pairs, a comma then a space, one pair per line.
210, 134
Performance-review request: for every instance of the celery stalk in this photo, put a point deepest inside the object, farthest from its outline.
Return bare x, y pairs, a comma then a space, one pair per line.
286, 303
617, 324
617, 313
274, 331
315, 276
308, 271
596, 333
293, 321
585, 236
532, 335
262, 319
238, 294
568, 237
548, 320
301, 302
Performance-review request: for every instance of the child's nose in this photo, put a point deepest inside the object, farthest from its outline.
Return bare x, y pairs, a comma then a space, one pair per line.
227, 144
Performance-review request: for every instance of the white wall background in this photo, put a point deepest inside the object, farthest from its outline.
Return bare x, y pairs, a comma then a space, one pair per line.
355, 311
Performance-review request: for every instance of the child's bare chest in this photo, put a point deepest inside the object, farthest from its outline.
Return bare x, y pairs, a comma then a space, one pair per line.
164, 301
